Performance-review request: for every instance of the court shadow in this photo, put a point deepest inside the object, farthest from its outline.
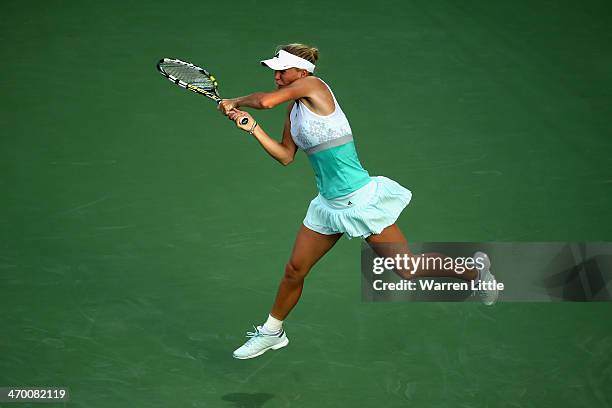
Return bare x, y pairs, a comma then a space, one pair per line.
579, 280
246, 400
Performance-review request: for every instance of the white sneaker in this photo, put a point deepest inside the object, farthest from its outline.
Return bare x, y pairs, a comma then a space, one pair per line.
260, 342
488, 296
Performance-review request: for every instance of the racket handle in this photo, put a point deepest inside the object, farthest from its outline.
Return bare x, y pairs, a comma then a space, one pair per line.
243, 121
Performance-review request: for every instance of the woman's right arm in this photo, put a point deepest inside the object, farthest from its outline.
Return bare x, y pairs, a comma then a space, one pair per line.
255, 100
267, 100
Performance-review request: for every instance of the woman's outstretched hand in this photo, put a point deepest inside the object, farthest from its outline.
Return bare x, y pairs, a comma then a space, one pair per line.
237, 116
227, 105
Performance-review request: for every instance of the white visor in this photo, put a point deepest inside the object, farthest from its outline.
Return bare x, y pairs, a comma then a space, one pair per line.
283, 60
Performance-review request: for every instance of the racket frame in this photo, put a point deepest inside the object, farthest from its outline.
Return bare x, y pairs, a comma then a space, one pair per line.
214, 94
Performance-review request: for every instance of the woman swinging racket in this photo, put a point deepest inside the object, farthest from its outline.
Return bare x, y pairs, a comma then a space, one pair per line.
350, 201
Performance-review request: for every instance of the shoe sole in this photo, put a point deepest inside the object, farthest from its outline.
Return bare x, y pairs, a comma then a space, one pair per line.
487, 268
491, 296
280, 345
490, 300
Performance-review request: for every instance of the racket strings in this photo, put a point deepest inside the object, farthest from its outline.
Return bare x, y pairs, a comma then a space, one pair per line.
189, 75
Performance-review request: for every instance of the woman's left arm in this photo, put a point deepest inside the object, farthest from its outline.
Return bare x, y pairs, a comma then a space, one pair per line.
283, 152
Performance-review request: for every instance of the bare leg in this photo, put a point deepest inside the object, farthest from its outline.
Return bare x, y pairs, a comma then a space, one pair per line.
393, 235
309, 247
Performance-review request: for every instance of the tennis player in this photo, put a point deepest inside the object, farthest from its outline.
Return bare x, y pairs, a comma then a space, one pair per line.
349, 202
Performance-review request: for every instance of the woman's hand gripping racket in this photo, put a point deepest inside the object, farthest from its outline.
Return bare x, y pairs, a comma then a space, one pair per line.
192, 78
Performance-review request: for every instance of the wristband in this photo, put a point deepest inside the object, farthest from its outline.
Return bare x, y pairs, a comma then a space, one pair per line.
253, 128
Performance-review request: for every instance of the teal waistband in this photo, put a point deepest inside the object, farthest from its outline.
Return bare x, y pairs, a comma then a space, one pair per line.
338, 171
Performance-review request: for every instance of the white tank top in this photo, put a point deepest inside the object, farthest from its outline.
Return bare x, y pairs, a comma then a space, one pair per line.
309, 129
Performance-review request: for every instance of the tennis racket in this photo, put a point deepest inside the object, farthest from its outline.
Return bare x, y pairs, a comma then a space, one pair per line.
192, 78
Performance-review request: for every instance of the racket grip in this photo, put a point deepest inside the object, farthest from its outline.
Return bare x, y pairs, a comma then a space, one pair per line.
244, 121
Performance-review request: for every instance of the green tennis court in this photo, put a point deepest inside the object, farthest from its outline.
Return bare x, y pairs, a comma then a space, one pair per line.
143, 234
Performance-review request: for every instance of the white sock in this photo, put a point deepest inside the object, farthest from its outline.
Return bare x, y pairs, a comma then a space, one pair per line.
272, 325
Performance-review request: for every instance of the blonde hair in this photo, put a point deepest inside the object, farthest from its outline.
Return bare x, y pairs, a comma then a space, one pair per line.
301, 50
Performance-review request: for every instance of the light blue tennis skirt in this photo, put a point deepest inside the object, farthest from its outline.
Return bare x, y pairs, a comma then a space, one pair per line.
362, 213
